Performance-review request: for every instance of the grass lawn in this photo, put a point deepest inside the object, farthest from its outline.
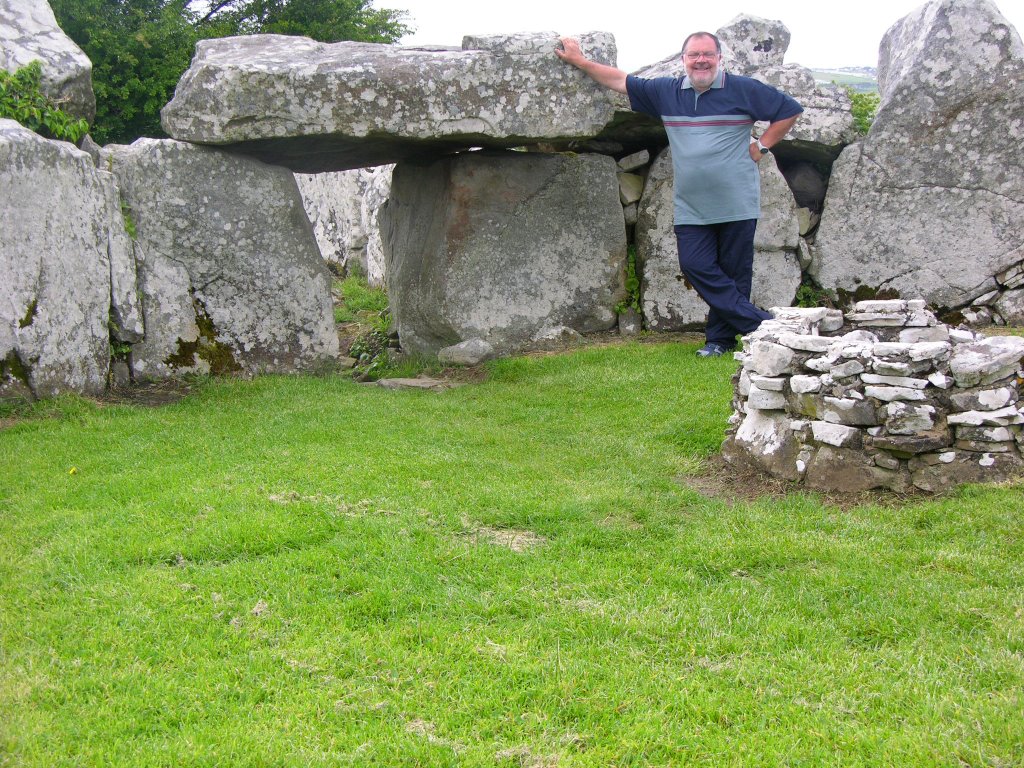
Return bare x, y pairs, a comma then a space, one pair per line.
301, 571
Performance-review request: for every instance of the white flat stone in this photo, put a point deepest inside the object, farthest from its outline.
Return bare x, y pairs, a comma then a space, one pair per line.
894, 381
838, 435
888, 394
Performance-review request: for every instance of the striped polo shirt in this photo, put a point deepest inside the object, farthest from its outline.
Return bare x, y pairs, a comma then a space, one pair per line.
709, 134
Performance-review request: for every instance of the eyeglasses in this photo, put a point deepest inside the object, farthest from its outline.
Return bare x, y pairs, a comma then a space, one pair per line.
693, 56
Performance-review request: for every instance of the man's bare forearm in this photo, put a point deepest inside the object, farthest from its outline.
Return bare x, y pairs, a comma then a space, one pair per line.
602, 74
775, 132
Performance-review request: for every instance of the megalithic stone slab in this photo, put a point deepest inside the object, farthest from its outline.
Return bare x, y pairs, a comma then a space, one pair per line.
314, 106
931, 203
60, 252
501, 246
229, 271
29, 32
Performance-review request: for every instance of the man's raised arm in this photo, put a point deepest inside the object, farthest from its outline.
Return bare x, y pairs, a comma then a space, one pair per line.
602, 74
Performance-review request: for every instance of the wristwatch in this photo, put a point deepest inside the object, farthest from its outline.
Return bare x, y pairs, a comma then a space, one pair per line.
762, 148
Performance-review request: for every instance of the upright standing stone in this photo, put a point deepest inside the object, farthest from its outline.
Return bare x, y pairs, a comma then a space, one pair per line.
230, 273
59, 251
501, 246
29, 32
931, 203
343, 208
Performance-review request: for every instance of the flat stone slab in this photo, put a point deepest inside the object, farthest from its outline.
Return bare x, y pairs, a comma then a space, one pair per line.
422, 383
314, 106
29, 31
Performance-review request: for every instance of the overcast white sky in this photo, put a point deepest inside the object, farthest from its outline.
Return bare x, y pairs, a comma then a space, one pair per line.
824, 34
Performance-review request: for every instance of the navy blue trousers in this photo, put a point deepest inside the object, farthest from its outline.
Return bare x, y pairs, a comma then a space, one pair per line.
718, 261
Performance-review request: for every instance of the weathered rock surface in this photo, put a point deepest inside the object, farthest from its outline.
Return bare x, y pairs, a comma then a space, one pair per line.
29, 31
499, 246
316, 106
1011, 307
62, 250
668, 303
931, 202
469, 352
752, 43
756, 47
343, 208
229, 271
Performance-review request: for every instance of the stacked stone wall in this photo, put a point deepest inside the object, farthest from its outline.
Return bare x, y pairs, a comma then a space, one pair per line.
883, 397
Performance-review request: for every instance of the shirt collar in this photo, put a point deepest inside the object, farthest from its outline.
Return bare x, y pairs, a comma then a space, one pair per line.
719, 81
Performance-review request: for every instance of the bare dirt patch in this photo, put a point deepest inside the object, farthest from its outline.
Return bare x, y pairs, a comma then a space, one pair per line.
736, 484
518, 540
151, 394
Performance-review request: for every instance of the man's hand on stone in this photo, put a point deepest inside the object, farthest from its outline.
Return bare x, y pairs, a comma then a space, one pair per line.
568, 50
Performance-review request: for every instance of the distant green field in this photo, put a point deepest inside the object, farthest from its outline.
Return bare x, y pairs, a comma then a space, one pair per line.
857, 82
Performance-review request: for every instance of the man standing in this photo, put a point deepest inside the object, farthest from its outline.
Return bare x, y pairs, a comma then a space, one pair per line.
709, 116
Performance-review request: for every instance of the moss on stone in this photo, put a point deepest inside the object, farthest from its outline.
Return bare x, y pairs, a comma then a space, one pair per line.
216, 354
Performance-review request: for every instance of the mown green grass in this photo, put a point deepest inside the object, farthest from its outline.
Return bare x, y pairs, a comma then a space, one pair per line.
306, 571
359, 303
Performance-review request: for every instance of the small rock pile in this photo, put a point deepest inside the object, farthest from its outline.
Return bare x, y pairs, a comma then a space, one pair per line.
883, 397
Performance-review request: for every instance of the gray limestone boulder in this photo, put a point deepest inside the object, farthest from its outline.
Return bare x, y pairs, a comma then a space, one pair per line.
931, 203
499, 246
343, 208
229, 271
330, 106
29, 32
668, 302
1011, 307
67, 275
751, 42
469, 352
764, 441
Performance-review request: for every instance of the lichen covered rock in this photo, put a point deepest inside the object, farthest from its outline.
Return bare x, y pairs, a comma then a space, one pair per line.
229, 271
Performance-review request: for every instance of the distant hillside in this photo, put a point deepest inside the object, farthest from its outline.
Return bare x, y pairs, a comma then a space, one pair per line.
858, 78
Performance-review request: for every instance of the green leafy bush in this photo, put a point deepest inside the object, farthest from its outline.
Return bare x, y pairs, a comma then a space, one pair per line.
863, 106
810, 294
22, 99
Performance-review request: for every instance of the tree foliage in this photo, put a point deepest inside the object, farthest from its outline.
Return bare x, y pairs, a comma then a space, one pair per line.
141, 48
863, 106
22, 99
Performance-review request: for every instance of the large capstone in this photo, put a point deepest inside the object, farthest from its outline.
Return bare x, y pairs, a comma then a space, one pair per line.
29, 32
931, 203
229, 271
503, 246
317, 106
67, 276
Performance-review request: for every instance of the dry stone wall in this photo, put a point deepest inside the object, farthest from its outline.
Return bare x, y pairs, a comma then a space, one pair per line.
885, 397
